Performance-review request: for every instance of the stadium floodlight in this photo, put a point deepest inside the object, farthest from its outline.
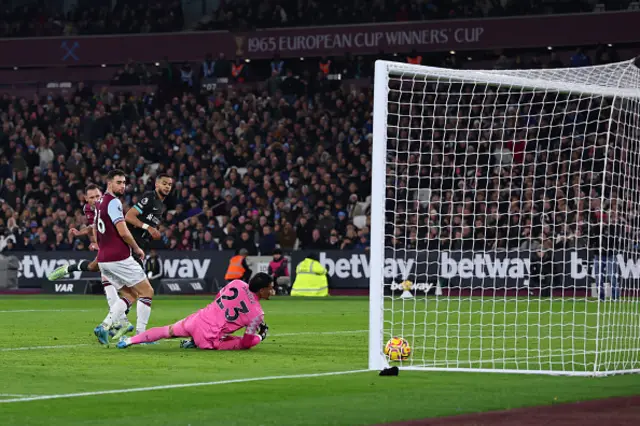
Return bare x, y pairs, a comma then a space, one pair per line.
508, 203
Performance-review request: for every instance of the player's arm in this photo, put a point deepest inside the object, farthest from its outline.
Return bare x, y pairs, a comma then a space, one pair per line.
93, 237
255, 333
132, 219
115, 214
87, 230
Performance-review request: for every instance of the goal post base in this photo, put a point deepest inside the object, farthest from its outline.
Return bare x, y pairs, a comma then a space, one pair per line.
391, 371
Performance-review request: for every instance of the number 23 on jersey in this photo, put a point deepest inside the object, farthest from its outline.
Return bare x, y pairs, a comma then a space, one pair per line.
225, 303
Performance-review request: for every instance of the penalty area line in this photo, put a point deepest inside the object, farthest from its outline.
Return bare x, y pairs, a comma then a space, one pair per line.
35, 348
17, 311
179, 386
5, 395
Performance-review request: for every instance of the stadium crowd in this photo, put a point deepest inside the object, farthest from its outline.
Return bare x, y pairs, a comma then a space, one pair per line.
41, 19
290, 167
251, 170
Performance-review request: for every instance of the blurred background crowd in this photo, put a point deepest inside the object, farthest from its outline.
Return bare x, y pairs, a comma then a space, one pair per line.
285, 162
38, 18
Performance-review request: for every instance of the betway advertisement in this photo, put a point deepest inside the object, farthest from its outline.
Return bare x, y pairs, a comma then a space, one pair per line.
507, 270
351, 270
208, 266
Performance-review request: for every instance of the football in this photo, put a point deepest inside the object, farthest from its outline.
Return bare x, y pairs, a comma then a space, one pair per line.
397, 349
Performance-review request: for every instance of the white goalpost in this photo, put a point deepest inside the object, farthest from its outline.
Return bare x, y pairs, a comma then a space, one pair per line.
505, 219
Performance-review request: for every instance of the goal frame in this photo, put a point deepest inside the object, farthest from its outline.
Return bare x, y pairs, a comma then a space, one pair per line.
383, 69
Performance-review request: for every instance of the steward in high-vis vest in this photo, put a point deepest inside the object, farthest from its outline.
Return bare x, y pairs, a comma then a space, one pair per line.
311, 278
238, 268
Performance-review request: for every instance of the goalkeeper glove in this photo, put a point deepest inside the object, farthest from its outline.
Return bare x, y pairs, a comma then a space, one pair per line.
262, 331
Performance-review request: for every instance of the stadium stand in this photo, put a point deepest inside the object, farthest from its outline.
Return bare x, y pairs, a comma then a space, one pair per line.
255, 168
41, 19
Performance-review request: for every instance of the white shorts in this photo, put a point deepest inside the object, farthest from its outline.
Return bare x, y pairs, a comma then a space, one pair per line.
123, 273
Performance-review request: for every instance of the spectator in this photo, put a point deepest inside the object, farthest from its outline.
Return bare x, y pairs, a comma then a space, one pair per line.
208, 67
279, 270
208, 242
287, 236
267, 241
580, 59
277, 65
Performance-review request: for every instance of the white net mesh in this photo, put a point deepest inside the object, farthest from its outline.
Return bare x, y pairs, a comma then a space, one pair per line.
511, 205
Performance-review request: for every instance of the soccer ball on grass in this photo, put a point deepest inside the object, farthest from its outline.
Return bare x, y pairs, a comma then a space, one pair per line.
397, 349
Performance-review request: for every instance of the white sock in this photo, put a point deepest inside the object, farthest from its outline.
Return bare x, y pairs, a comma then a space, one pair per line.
111, 293
116, 311
143, 311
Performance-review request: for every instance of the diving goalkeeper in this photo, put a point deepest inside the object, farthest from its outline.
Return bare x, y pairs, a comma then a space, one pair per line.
236, 306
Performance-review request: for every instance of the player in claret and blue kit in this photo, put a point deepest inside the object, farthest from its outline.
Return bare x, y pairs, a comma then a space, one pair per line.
92, 194
115, 258
236, 306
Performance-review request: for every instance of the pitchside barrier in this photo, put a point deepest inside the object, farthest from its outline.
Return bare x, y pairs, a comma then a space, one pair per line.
573, 269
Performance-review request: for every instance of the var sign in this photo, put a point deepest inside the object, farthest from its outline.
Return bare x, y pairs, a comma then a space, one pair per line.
65, 287
178, 286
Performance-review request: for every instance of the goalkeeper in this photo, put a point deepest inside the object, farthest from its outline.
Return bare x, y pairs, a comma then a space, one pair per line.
236, 306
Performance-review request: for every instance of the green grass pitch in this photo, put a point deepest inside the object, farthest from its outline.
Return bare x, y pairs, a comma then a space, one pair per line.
47, 348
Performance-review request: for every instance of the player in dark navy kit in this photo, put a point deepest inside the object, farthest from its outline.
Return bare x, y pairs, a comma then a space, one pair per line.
146, 215
115, 258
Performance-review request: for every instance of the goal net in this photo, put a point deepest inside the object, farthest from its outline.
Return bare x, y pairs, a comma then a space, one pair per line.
506, 219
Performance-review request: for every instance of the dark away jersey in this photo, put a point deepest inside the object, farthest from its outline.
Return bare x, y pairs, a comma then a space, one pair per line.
150, 209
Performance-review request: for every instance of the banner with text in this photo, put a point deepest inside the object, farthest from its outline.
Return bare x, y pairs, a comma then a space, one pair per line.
500, 270
424, 36
209, 266
351, 270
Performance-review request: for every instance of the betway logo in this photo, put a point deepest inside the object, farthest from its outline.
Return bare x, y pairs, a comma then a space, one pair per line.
186, 268
425, 287
483, 266
357, 266
31, 266
625, 267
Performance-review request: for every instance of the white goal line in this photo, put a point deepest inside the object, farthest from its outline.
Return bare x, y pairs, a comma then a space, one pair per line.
555, 353
178, 386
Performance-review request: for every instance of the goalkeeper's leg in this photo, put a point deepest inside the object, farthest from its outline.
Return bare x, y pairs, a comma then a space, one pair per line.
157, 333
